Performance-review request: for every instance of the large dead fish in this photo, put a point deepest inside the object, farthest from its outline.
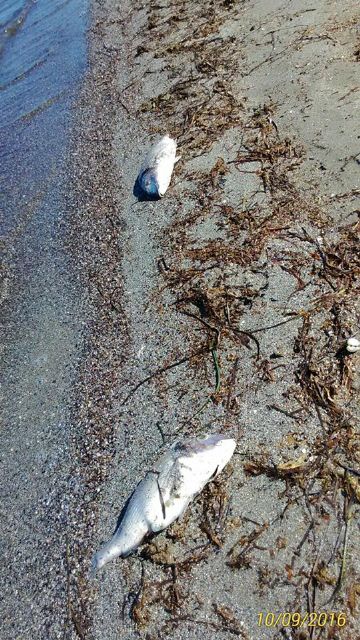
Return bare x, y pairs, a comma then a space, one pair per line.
155, 173
165, 492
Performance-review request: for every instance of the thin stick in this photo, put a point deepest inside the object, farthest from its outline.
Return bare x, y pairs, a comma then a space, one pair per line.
346, 542
278, 324
286, 413
217, 371
160, 372
232, 383
348, 469
348, 516
217, 383
249, 334
206, 324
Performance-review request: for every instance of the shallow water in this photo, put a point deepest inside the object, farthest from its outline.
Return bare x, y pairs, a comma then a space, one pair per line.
42, 60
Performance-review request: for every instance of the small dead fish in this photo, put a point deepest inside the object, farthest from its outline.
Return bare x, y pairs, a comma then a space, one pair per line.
165, 492
156, 170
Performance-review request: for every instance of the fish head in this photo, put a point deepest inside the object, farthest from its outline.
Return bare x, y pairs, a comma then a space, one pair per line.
149, 183
210, 454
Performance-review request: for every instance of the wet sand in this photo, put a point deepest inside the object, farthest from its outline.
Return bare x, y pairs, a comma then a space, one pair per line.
43, 311
255, 242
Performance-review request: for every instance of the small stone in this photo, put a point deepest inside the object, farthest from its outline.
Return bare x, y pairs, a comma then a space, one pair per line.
352, 345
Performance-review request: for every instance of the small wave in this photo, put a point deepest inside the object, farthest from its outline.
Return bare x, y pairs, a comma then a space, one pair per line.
41, 107
14, 23
24, 74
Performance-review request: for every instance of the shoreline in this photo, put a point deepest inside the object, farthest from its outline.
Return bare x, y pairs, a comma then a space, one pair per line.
43, 310
91, 239
239, 231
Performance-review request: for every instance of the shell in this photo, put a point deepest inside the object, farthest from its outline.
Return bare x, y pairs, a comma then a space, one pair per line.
165, 492
156, 170
352, 345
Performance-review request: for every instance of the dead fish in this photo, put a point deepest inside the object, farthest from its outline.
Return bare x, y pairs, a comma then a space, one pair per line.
165, 492
155, 173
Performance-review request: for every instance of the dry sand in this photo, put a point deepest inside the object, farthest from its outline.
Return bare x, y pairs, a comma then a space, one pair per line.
249, 261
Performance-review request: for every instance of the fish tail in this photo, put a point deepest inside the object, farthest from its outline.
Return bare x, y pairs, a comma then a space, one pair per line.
94, 567
107, 552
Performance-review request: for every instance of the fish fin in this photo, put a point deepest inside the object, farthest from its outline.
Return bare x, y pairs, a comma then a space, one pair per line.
156, 473
93, 569
161, 500
213, 476
177, 159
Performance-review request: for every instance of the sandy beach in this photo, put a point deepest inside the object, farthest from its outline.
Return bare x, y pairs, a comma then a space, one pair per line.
254, 243
223, 307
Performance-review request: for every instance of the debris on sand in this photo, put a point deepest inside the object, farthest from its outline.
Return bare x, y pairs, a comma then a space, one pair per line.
352, 345
166, 491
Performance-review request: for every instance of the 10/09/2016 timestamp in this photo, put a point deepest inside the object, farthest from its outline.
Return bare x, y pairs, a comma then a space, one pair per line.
296, 619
